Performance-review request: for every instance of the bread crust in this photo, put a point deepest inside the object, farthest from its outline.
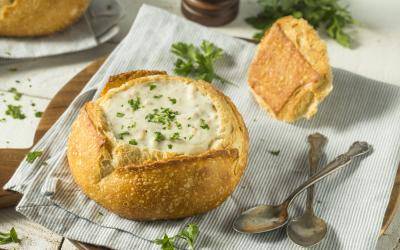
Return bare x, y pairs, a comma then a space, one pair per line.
290, 73
31, 18
144, 184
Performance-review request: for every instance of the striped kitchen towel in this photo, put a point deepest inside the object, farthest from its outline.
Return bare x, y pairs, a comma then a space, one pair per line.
353, 202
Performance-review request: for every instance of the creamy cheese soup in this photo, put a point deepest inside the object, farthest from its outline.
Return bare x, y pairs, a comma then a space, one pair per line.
167, 116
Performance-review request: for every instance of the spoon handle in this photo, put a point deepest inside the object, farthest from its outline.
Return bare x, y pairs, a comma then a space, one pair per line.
317, 142
357, 149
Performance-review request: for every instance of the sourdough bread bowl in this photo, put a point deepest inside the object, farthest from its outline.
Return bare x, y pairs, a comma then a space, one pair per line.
155, 146
29, 18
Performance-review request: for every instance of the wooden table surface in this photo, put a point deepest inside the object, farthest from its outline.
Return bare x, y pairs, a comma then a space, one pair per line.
376, 55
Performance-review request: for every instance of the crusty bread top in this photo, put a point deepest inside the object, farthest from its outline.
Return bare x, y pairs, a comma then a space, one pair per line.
291, 59
29, 18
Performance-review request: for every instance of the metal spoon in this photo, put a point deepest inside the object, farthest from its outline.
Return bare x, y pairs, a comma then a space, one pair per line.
308, 229
265, 218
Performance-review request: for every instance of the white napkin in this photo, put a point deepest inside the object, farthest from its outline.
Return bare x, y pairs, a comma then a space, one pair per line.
98, 25
353, 202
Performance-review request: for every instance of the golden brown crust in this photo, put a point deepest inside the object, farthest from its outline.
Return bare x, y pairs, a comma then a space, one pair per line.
30, 18
290, 73
117, 80
146, 184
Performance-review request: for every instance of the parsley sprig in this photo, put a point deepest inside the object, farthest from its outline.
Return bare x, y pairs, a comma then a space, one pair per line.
197, 62
189, 234
32, 156
9, 237
328, 14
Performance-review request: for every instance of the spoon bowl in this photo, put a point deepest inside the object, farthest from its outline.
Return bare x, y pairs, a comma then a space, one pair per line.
261, 219
307, 230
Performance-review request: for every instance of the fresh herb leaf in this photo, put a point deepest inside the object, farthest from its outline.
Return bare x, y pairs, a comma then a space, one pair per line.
38, 114
172, 100
166, 242
119, 114
274, 152
134, 103
10, 237
329, 14
15, 112
169, 146
203, 124
159, 137
197, 62
122, 134
32, 156
133, 142
189, 234
157, 96
152, 86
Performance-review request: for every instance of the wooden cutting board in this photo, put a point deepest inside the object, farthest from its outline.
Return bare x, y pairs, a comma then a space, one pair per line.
10, 158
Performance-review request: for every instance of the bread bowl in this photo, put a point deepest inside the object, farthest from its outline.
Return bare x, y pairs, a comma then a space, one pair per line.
158, 147
29, 18
290, 73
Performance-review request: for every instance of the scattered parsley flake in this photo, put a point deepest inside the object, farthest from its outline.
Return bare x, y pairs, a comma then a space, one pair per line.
203, 124
135, 104
152, 86
32, 156
17, 95
38, 114
169, 146
119, 114
3, 119
159, 137
175, 136
172, 100
133, 125
133, 142
274, 152
157, 96
165, 117
122, 134
15, 112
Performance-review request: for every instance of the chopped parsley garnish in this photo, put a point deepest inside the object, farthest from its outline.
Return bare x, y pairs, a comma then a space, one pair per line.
132, 142
172, 100
119, 114
159, 137
133, 125
10, 237
135, 104
152, 86
169, 146
17, 95
165, 117
157, 96
178, 125
32, 156
15, 112
175, 136
190, 137
274, 152
122, 134
189, 234
38, 114
203, 124
2, 119
33, 104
